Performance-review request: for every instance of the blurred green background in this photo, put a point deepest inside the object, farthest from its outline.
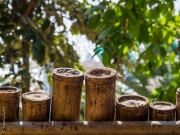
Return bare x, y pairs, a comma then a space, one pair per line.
138, 38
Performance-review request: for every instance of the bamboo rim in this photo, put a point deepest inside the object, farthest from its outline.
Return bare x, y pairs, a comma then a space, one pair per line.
24, 97
69, 78
173, 107
128, 97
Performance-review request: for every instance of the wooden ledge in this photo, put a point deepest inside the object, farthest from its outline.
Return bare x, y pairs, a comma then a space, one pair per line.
93, 128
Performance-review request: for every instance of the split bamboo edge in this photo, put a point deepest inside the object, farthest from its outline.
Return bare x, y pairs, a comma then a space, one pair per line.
93, 128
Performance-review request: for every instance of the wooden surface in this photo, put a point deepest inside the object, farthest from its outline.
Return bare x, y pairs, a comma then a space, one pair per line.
93, 128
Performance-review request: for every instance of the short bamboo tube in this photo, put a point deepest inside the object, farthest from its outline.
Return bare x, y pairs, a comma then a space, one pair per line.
9, 103
66, 94
178, 104
35, 106
100, 94
132, 108
162, 111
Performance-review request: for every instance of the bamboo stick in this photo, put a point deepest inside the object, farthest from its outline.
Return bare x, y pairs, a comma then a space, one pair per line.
66, 94
37, 128
68, 128
178, 104
11, 128
9, 103
36, 106
100, 94
93, 128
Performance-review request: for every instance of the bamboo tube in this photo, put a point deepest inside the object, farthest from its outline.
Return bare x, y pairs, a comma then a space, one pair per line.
132, 108
66, 94
11, 128
93, 128
178, 104
134, 128
37, 128
100, 94
162, 111
9, 104
100, 128
68, 128
165, 127
36, 106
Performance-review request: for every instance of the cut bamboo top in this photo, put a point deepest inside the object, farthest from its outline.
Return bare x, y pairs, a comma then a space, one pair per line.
178, 92
101, 75
160, 105
36, 96
68, 74
8, 92
132, 101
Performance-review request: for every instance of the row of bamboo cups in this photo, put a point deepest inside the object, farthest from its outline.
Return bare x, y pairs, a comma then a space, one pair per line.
100, 103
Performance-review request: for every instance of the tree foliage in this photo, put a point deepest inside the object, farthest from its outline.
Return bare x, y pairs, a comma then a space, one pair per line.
35, 29
135, 37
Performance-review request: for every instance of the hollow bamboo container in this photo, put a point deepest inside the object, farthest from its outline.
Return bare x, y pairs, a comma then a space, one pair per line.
132, 108
178, 104
9, 104
35, 106
66, 94
100, 94
162, 111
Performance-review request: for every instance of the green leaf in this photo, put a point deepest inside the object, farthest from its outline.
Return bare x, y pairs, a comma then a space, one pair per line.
46, 24
125, 49
104, 33
129, 4
144, 34
94, 21
99, 7
38, 51
105, 59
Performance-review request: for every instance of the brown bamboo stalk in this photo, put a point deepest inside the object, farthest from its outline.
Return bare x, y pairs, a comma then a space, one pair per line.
66, 94
100, 94
93, 128
132, 108
68, 128
36, 106
162, 111
37, 128
11, 128
9, 103
178, 104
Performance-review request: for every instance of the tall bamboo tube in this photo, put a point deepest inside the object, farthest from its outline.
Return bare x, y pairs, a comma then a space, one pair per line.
162, 111
100, 94
178, 104
36, 106
66, 94
9, 103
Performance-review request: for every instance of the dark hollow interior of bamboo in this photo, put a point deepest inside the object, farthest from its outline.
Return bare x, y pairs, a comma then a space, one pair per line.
101, 72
